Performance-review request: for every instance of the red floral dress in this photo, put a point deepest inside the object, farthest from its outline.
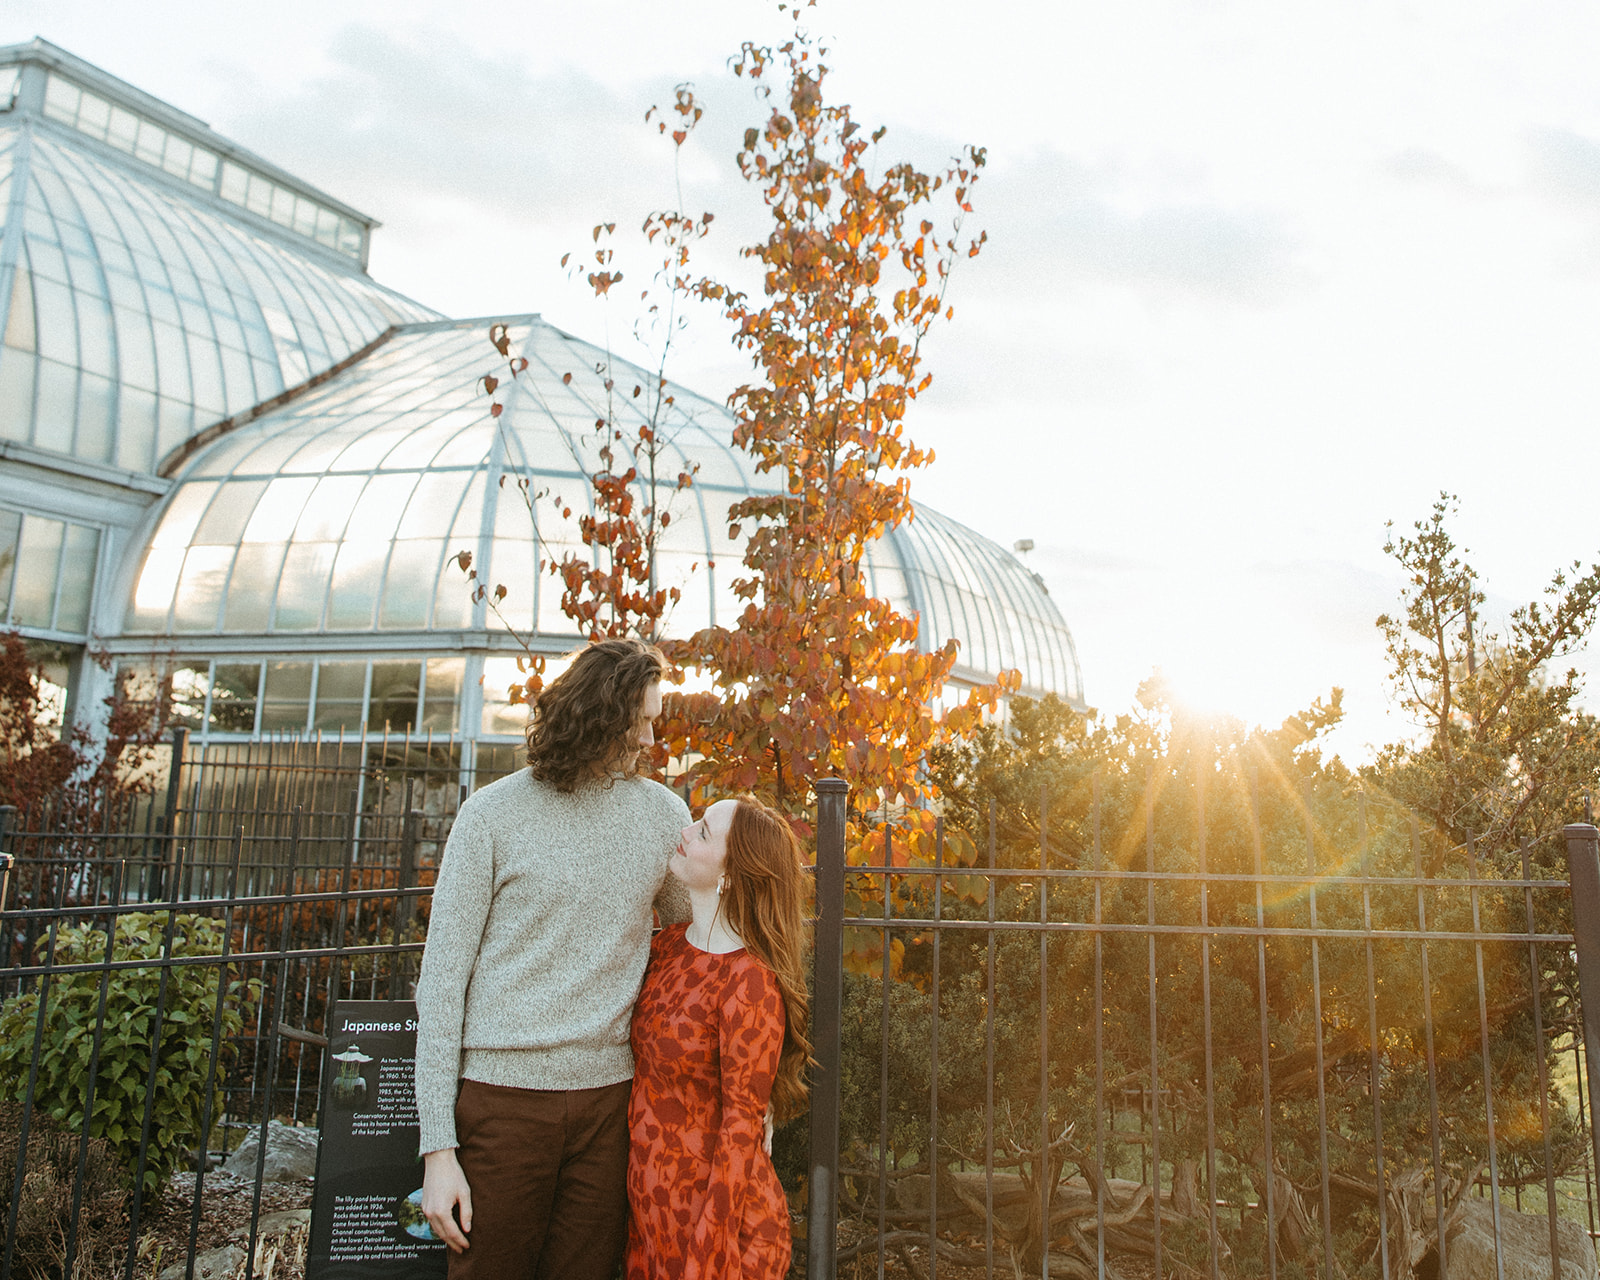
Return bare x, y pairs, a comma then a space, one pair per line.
706, 1203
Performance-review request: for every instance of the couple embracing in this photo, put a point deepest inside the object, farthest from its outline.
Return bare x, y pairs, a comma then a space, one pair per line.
587, 1092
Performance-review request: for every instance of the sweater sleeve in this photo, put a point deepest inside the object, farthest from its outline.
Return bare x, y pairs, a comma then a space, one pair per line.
672, 903
461, 899
749, 1041
672, 899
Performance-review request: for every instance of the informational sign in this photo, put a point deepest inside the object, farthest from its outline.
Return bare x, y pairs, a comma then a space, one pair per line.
366, 1215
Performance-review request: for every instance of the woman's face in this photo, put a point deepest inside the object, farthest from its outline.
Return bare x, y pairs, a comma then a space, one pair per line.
703, 848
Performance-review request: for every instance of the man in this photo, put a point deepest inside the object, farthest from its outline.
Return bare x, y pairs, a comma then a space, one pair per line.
537, 942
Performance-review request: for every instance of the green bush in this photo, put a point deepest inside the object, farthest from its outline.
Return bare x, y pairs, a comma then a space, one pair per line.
182, 1057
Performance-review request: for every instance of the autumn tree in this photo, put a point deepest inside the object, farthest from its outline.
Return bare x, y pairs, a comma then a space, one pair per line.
49, 763
38, 754
611, 587
816, 676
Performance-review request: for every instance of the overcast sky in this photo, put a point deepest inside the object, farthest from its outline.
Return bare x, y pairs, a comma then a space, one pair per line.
1260, 277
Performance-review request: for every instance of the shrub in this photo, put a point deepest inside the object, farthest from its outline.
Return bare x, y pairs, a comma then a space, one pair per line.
44, 1210
182, 1056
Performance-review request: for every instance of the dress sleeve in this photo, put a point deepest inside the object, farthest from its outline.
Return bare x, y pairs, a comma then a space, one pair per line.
461, 899
749, 1040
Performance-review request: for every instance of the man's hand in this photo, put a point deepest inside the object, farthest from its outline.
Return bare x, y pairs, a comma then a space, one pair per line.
444, 1187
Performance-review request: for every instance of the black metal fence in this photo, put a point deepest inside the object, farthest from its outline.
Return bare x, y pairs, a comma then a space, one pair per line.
168, 968
1281, 1058
1230, 1053
322, 846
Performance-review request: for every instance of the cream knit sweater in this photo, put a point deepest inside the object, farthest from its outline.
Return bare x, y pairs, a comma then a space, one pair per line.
538, 938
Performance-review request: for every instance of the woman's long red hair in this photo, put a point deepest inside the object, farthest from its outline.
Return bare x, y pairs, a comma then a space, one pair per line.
764, 903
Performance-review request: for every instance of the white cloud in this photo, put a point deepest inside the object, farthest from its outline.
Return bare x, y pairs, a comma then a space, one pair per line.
1565, 164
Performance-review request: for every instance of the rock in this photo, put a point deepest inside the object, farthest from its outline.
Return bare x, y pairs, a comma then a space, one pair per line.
213, 1264
1524, 1245
274, 1224
228, 1261
291, 1154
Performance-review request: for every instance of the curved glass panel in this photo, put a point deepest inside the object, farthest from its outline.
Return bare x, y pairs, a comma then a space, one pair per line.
46, 569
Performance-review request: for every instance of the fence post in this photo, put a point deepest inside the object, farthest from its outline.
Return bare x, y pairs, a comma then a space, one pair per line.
408, 867
169, 820
827, 998
405, 907
1583, 875
8, 824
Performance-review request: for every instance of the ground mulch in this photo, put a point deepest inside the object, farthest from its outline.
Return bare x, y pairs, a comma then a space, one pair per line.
225, 1209
225, 1219
864, 1266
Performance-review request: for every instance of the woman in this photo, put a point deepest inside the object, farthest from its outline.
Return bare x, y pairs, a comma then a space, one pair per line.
718, 1032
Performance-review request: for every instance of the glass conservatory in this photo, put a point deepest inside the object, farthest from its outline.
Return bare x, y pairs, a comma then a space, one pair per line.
155, 279
334, 524
227, 452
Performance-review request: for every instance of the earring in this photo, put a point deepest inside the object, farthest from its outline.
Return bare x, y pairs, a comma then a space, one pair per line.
721, 885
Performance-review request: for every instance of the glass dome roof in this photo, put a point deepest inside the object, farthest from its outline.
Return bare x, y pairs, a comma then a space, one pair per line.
140, 304
961, 584
341, 513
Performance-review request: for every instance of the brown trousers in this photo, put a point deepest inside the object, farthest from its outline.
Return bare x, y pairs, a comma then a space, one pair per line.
548, 1170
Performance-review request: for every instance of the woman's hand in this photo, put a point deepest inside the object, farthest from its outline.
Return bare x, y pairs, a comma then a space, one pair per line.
444, 1187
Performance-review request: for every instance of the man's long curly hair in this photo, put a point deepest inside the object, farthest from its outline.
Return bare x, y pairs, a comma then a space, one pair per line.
585, 724
764, 903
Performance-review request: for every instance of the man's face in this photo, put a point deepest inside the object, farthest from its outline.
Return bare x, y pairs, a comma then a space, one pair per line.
649, 709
